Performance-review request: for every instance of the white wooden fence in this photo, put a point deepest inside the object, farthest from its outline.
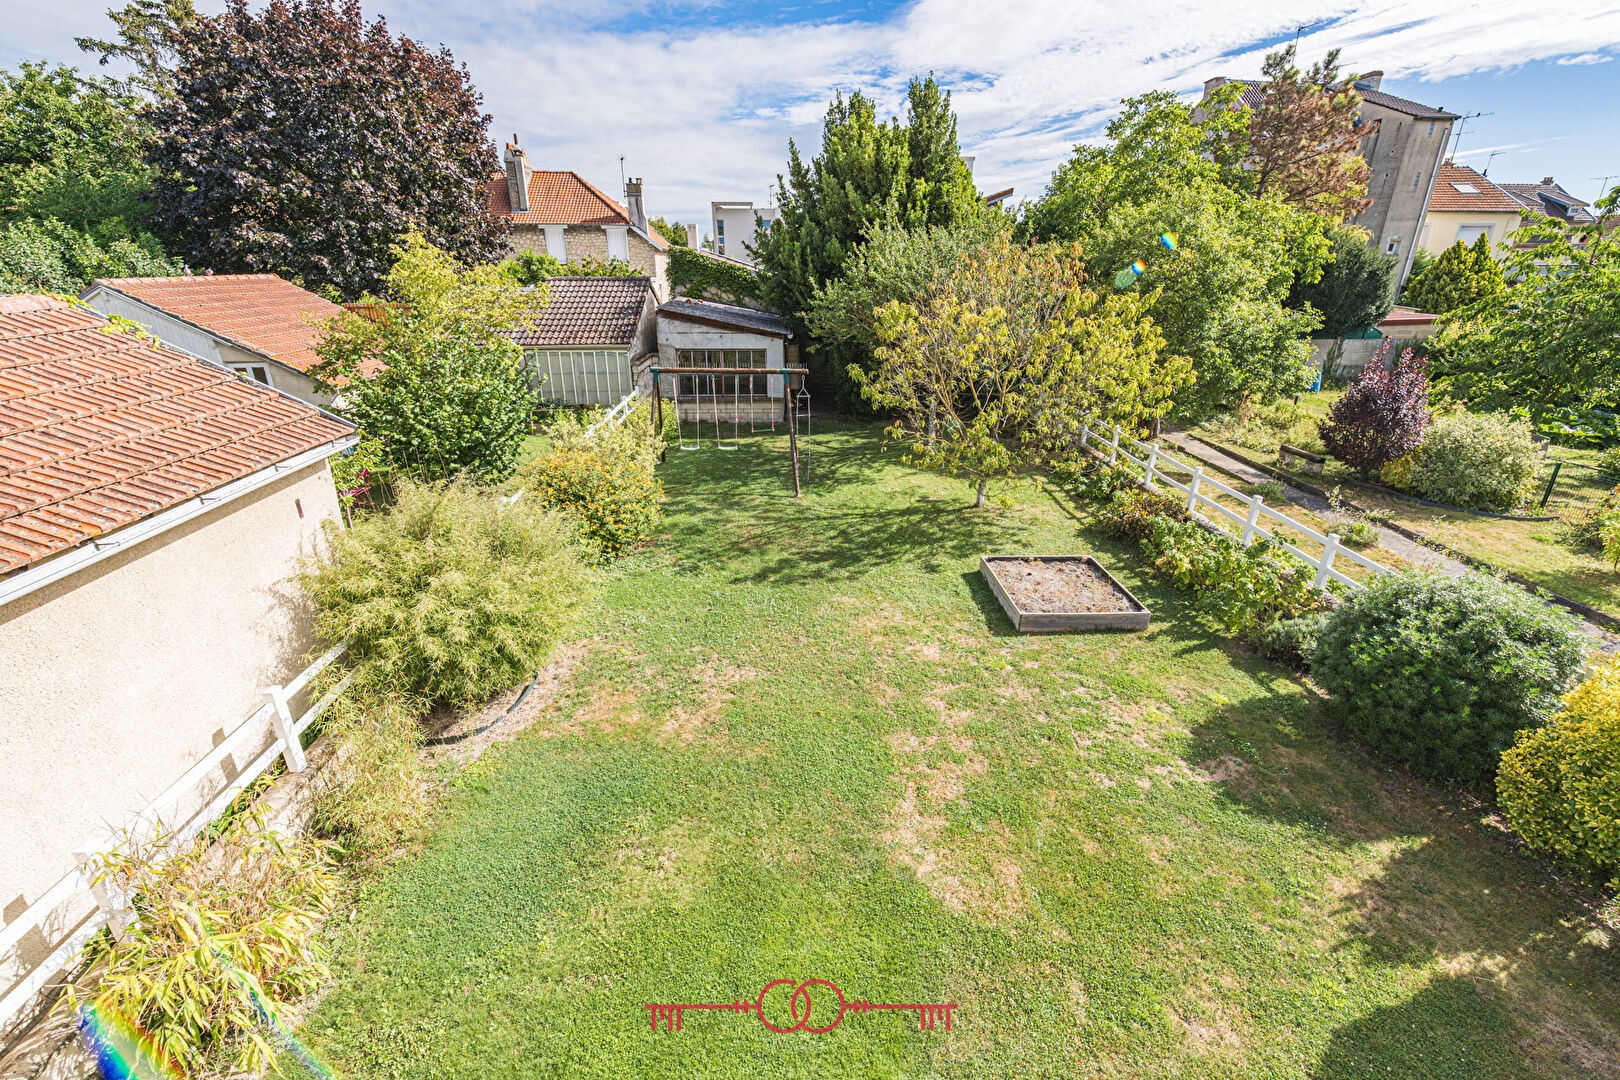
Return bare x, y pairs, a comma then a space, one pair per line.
59, 916
1154, 464
615, 416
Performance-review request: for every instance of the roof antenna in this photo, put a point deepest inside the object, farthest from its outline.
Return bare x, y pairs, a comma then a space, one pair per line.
622, 186
1462, 127
1494, 155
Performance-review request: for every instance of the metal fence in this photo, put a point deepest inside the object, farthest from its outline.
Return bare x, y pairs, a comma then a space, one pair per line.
77, 907
1254, 518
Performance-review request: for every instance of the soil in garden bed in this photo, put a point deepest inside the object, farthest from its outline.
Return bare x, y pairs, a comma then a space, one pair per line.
1070, 585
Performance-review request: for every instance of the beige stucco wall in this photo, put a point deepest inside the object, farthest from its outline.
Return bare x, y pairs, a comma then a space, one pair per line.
119, 677
1440, 230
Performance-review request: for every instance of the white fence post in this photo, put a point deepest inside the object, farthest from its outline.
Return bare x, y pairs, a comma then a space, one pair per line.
1152, 465
1084, 431
1255, 502
292, 751
1113, 451
1192, 488
1328, 551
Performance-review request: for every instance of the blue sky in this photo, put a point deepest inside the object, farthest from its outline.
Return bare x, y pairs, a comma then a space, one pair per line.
701, 97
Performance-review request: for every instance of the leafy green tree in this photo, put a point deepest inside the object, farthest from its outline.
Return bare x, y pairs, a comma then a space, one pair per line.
1156, 140
148, 33
994, 369
1356, 287
1461, 276
305, 141
1551, 340
72, 177
533, 267
895, 264
438, 381
1231, 257
865, 176
673, 231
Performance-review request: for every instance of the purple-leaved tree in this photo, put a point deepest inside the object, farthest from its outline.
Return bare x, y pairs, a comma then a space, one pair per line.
1382, 416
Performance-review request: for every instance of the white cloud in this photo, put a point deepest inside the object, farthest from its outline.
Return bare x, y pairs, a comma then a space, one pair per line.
705, 112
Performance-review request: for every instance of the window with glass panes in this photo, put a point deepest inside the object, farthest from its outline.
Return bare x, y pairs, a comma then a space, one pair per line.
756, 385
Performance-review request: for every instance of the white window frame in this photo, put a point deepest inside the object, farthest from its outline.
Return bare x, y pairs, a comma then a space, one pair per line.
581, 376
1477, 230
618, 242
259, 373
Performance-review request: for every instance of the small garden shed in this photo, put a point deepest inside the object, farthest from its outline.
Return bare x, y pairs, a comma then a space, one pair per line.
702, 333
594, 336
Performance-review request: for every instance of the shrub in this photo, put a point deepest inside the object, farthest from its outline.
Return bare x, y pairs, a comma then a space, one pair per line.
372, 791
1482, 460
614, 498
451, 594
1359, 533
1381, 416
1398, 473
1242, 589
1292, 640
631, 438
1609, 463
222, 931
1266, 427
1588, 527
1559, 786
1439, 672
1131, 512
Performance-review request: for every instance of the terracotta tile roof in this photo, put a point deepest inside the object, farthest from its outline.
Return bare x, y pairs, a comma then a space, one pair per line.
589, 311
98, 430
725, 316
563, 197
1460, 190
263, 312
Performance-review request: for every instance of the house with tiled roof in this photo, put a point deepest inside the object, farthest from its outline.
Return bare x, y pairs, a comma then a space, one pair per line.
695, 333
153, 507
1464, 206
1549, 202
259, 325
593, 339
562, 214
1404, 143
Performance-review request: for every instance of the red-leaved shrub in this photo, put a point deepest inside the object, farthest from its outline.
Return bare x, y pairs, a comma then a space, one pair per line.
1381, 417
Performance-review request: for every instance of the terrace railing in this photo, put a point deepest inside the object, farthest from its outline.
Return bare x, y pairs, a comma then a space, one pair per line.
1254, 518
77, 907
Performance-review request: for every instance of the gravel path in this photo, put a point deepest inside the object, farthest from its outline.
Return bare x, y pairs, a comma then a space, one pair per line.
1392, 541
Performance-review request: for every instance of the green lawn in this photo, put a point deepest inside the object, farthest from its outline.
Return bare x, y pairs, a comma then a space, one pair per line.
804, 742
1540, 551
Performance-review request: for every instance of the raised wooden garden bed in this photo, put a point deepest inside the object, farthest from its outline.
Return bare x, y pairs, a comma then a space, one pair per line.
1045, 594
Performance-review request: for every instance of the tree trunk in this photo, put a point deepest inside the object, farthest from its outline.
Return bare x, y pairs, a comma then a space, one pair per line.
980, 500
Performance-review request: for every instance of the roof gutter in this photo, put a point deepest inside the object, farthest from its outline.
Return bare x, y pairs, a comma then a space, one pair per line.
102, 547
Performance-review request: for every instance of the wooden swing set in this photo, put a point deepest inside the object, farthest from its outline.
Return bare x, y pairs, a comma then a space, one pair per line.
795, 406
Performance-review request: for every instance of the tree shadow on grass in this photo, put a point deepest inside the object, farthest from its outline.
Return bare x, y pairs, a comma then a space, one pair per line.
1450, 1030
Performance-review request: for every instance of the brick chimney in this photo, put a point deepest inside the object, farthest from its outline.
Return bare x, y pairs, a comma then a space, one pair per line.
692, 235
517, 176
632, 201
1372, 80
1546, 181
